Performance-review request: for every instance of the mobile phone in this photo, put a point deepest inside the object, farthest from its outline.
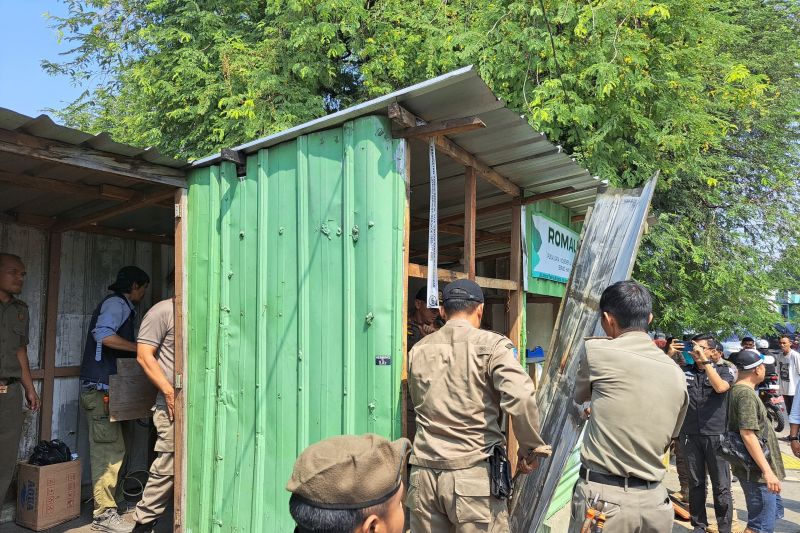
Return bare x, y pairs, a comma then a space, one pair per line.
688, 348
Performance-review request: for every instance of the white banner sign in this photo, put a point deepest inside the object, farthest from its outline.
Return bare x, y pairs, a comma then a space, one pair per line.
552, 249
433, 230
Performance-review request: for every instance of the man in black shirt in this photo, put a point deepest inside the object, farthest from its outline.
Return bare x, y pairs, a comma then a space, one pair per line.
707, 383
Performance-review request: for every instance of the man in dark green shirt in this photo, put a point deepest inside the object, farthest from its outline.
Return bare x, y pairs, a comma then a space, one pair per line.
748, 416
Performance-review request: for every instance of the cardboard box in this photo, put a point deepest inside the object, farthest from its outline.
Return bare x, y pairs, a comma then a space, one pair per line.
48, 495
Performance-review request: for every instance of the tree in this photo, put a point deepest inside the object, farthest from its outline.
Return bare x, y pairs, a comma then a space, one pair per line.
697, 89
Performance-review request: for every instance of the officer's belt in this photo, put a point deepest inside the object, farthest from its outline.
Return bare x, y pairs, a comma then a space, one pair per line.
8, 381
616, 481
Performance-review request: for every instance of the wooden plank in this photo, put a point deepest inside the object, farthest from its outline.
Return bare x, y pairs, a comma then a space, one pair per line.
578, 218
516, 301
51, 316
111, 212
131, 395
40, 149
59, 372
181, 355
470, 221
440, 127
421, 271
132, 235
405, 398
455, 152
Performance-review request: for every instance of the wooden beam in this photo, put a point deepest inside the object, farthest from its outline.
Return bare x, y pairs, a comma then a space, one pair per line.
421, 271
440, 127
59, 372
516, 301
578, 218
455, 152
50, 334
470, 221
407, 425
111, 212
132, 235
41, 149
453, 229
563, 191
181, 357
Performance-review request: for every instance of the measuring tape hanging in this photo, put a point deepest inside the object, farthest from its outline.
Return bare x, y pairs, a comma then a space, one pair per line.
433, 230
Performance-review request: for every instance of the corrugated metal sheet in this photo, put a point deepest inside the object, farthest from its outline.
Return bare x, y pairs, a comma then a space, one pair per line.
44, 127
508, 143
607, 254
295, 295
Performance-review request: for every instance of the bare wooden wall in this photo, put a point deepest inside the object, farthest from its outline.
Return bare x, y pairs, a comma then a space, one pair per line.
89, 264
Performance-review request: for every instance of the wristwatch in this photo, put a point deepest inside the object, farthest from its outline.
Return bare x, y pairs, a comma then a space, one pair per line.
793, 437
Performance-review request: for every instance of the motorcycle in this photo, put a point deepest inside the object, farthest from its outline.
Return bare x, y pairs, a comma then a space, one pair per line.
770, 395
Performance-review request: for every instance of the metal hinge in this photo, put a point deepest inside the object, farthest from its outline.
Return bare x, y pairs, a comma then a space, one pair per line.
178, 381
177, 210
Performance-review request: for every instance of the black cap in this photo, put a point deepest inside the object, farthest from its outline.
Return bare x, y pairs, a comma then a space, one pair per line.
746, 359
127, 276
463, 289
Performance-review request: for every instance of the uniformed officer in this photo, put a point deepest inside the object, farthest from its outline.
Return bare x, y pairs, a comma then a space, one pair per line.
708, 384
462, 379
350, 484
111, 335
15, 373
638, 403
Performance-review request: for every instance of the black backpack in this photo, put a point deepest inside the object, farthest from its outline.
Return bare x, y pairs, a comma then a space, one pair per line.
50, 453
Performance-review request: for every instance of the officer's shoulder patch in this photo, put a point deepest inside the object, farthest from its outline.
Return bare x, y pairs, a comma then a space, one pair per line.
20, 303
510, 346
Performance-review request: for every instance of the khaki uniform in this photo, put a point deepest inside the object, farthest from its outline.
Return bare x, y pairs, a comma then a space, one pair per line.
639, 401
13, 335
461, 381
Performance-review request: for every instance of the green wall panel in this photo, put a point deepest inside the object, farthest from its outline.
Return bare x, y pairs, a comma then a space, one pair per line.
295, 293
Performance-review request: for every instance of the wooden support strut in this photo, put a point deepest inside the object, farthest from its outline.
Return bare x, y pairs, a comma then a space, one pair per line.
470, 221
516, 301
421, 271
117, 210
181, 358
452, 150
50, 334
440, 127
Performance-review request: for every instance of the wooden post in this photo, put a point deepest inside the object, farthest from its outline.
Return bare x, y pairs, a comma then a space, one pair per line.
516, 301
470, 215
50, 333
181, 361
406, 255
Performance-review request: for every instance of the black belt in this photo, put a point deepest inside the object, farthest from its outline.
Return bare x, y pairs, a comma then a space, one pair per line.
616, 481
8, 381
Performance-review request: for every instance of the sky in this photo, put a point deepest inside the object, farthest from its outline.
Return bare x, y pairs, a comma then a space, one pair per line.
25, 40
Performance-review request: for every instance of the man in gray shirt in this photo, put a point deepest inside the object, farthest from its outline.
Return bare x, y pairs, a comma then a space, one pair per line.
638, 403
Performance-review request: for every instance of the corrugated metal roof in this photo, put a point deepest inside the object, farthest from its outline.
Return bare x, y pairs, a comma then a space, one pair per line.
43, 126
508, 143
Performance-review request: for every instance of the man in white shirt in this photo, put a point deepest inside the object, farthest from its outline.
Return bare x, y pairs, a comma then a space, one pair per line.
789, 371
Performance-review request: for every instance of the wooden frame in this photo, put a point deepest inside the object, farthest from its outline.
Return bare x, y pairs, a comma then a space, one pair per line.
48, 362
181, 357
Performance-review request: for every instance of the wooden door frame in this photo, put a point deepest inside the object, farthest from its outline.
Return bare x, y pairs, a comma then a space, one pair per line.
181, 357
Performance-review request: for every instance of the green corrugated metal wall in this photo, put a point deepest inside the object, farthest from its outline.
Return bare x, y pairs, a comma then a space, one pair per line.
295, 288
562, 215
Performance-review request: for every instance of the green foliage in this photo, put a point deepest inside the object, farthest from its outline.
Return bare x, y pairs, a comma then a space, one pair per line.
706, 91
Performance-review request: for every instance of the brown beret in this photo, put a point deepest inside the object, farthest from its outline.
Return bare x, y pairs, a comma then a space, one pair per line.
349, 471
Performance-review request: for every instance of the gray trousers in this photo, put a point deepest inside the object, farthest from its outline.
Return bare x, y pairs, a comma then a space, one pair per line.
12, 417
631, 510
701, 456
